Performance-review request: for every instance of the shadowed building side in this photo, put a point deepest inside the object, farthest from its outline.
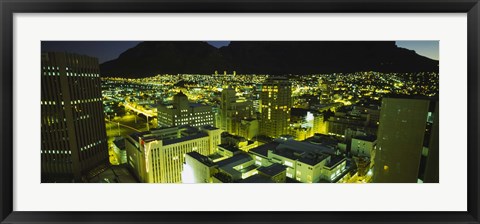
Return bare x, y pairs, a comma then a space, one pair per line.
407, 142
73, 132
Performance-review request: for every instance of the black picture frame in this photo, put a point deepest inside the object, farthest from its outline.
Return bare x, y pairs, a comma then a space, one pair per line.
9, 7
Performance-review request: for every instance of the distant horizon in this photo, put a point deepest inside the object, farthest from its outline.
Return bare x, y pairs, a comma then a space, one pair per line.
111, 50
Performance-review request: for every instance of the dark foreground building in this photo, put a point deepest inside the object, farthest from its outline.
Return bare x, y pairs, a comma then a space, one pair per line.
73, 135
407, 142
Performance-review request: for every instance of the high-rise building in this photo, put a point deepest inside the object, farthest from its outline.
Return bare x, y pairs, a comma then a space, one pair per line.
276, 97
157, 156
228, 99
407, 142
233, 111
182, 112
73, 132
319, 125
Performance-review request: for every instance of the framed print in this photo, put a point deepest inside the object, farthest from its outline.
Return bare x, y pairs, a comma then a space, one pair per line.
247, 112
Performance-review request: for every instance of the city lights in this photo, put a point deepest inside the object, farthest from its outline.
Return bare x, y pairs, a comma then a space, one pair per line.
241, 121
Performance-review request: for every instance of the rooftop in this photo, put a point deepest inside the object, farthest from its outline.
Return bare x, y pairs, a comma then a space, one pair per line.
228, 147
234, 160
182, 139
201, 158
304, 146
313, 160
215, 156
170, 135
256, 179
263, 149
209, 127
334, 161
369, 138
272, 170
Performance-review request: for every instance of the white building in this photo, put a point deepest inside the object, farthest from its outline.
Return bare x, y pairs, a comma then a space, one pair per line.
182, 112
157, 156
197, 168
363, 146
306, 162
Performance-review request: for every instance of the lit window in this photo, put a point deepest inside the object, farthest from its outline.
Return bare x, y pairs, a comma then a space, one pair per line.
288, 163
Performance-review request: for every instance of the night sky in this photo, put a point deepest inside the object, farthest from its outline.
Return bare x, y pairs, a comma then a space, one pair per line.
426, 48
109, 50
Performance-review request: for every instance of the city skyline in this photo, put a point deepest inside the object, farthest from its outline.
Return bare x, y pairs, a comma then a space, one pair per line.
231, 126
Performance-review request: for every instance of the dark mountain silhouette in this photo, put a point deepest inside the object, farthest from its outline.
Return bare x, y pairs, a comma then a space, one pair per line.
265, 57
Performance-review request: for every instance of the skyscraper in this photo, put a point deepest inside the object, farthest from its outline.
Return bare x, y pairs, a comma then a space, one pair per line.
73, 132
228, 99
407, 142
276, 97
233, 111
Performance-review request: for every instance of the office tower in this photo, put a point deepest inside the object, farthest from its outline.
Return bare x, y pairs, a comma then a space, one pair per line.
157, 156
182, 112
233, 111
319, 125
276, 97
407, 141
73, 132
228, 99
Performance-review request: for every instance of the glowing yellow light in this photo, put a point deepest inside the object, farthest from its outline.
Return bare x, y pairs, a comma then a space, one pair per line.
188, 174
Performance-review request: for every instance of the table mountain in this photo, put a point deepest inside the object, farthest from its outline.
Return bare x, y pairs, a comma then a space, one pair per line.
265, 57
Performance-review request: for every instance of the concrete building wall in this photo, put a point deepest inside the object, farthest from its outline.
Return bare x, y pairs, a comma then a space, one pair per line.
330, 174
362, 147
201, 173
400, 140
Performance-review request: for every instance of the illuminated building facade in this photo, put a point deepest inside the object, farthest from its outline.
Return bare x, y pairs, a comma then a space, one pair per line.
275, 172
407, 142
353, 119
182, 112
275, 162
72, 121
363, 146
319, 125
157, 156
198, 168
301, 123
248, 128
276, 97
233, 111
305, 162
